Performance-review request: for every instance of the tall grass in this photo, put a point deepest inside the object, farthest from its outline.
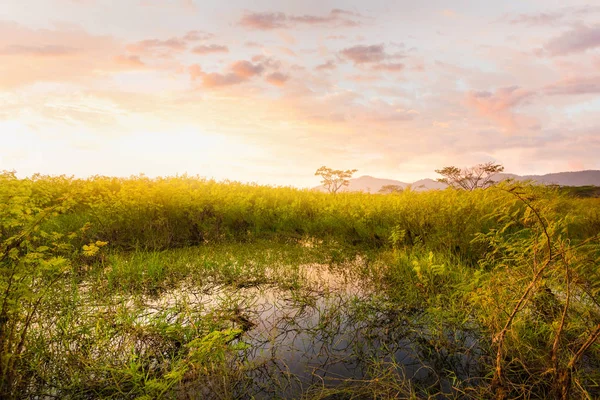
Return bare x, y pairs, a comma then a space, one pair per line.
161, 213
517, 268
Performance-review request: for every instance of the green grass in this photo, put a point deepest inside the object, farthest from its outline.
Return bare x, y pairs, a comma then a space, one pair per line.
508, 275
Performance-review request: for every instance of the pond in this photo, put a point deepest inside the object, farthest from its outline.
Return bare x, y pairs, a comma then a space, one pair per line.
334, 332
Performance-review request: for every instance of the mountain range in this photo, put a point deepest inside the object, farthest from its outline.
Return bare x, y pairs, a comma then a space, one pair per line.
373, 185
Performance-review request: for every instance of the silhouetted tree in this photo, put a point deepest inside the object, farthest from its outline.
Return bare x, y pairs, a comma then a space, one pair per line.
334, 179
388, 189
477, 177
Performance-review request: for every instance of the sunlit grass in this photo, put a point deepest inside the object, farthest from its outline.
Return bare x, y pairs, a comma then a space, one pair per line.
202, 286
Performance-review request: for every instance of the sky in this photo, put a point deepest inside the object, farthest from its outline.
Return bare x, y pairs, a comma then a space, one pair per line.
268, 91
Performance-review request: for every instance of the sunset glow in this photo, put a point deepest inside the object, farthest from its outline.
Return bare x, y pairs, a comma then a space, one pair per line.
268, 91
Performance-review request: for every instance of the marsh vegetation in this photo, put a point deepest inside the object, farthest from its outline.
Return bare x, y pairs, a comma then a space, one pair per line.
186, 288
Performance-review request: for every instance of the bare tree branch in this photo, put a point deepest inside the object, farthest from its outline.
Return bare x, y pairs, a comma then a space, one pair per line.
477, 177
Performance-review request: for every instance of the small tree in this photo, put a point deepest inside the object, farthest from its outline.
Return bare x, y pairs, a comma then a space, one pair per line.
477, 177
335, 179
388, 189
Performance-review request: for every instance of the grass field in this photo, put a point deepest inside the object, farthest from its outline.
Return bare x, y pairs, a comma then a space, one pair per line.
186, 288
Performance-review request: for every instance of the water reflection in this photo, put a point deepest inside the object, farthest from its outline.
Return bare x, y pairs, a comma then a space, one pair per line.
332, 331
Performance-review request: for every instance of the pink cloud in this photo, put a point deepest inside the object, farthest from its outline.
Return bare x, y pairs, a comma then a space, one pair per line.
551, 18
211, 48
382, 112
498, 106
311, 19
145, 46
279, 20
536, 19
263, 21
132, 61
328, 66
239, 72
339, 11
277, 79
574, 86
193, 36
577, 40
39, 51
246, 69
184, 4
195, 72
389, 67
171, 45
63, 54
287, 51
365, 54
335, 17
363, 78
449, 13
287, 38
267, 62
214, 80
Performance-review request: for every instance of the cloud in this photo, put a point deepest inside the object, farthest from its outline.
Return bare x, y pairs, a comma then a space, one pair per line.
551, 18
278, 20
267, 62
238, 72
311, 19
382, 112
193, 36
363, 78
132, 61
277, 79
63, 54
335, 18
184, 4
389, 67
195, 71
171, 45
211, 48
287, 38
287, 51
328, 66
498, 106
150, 45
246, 69
449, 13
577, 40
339, 11
39, 51
365, 54
536, 19
215, 80
574, 86
264, 21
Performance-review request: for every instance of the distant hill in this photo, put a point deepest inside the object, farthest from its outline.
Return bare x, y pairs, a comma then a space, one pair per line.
578, 178
371, 184
428, 184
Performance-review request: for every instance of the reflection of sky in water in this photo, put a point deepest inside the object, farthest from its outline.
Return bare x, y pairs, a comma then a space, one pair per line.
333, 332
324, 342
